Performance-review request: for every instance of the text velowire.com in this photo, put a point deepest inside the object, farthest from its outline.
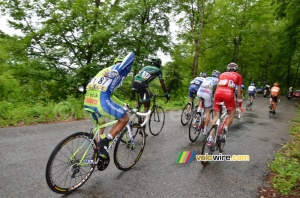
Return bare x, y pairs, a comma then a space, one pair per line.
221, 157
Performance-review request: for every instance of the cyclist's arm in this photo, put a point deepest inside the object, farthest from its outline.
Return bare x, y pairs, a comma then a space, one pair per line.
163, 86
162, 82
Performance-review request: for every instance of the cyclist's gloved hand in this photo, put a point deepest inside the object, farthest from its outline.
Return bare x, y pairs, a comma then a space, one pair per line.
167, 95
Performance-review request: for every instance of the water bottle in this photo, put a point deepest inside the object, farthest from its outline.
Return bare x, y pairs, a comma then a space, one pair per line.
88, 161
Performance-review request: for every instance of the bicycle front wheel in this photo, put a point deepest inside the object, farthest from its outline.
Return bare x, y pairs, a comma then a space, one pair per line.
196, 126
208, 148
157, 120
185, 114
71, 163
127, 154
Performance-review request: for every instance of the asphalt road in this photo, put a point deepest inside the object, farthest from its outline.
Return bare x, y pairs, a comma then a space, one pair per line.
25, 150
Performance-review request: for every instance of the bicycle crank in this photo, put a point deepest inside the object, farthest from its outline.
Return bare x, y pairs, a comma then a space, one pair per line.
103, 163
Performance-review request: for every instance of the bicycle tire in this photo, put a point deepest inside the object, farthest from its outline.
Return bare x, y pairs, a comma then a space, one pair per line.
157, 120
195, 127
221, 143
129, 150
248, 105
63, 173
185, 116
209, 150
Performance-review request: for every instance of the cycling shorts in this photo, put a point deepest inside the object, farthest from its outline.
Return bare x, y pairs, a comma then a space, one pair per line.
193, 90
226, 95
206, 94
102, 104
251, 93
143, 89
273, 98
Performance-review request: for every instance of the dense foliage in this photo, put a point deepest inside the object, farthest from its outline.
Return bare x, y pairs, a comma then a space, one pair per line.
63, 44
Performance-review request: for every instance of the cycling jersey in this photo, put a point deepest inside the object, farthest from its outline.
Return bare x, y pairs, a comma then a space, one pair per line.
251, 90
225, 90
206, 90
147, 74
194, 86
275, 91
99, 90
143, 78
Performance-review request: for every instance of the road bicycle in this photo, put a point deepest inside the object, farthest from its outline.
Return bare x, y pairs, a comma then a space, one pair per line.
249, 103
271, 110
74, 159
157, 116
220, 136
197, 124
186, 114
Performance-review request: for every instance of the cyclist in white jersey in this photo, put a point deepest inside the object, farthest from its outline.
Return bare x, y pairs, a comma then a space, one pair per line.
206, 91
251, 90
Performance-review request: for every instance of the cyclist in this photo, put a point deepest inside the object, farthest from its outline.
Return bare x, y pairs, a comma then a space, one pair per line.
225, 93
275, 96
242, 90
193, 88
266, 90
144, 77
206, 91
251, 91
99, 99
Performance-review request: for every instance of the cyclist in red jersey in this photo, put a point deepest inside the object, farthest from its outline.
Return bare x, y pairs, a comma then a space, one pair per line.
225, 93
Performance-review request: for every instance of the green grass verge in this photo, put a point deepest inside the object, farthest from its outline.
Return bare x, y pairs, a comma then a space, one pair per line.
286, 165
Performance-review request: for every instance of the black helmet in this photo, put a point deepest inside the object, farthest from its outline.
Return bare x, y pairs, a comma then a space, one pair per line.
155, 61
232, 67
215, 73
202, 74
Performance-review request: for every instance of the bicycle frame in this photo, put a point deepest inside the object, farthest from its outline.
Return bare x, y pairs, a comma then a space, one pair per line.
96, 131
222, 119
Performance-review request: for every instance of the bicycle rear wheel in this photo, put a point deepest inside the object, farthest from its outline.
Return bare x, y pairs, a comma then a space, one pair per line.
157, 120
186, 115
196, 126
208, 149
66, 171
126, 154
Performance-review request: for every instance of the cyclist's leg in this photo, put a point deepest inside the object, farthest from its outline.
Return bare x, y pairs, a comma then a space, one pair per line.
200, 102
207, 96
144, 93
231, 108
191, 96
115, 111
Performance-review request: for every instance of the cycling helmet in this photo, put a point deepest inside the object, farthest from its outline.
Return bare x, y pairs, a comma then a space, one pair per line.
118, 60
232, 67
215, 73
155, 61
202, 74
276, 84
252, 84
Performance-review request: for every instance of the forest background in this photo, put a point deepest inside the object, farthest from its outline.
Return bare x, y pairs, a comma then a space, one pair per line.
63, 44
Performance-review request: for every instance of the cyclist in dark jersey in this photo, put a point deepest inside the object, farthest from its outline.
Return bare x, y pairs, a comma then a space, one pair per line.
144, 77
